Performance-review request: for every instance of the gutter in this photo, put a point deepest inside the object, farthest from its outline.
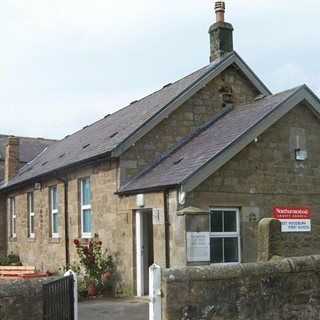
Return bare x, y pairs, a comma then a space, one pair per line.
66, 218
106, 156
148, 190
166, 228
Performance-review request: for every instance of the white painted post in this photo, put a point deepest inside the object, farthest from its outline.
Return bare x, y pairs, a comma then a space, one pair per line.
155, 292
139, 254
75, 291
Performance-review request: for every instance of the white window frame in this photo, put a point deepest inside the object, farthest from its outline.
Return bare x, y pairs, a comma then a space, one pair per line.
85, 207
13, 217
31, 214
235, 234
54, 212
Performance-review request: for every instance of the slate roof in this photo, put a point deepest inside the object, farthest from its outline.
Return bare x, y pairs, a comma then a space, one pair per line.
29, 147
102, 138
206, 145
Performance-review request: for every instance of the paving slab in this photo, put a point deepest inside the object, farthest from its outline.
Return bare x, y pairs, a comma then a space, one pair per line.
113, 309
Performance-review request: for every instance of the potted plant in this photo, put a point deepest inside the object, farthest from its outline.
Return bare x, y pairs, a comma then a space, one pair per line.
96, 265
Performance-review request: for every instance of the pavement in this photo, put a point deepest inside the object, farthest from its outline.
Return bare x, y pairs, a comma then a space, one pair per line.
108, 308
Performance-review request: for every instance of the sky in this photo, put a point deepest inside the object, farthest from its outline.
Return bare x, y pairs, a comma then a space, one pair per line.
67, 63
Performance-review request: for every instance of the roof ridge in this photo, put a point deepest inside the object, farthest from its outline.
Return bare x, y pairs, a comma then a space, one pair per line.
214, 118
25, 137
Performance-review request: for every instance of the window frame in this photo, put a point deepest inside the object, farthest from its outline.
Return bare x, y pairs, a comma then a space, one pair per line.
84, 207
13, 215
223, 235
31, 216
54, 212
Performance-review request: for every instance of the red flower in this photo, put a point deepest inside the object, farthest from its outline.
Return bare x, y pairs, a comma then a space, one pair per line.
76, 242
100, 243
107, 275
93, 259
85, 249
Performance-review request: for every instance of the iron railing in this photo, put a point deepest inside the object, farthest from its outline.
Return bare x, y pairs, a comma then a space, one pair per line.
58, 299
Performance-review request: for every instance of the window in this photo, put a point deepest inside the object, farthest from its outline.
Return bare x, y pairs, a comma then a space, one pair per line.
30, 215
86, 208
13, 217
54, 211
224, 236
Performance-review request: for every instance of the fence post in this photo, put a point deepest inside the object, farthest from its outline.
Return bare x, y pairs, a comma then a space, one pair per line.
155, 292
269, 239
75, 291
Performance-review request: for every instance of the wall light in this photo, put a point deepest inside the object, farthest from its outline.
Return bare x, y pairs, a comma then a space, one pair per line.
37, 186
301, 155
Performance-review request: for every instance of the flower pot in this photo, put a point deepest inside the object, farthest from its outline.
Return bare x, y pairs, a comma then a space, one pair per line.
93, 290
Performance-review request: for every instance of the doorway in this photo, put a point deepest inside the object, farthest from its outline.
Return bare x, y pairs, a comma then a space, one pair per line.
144, 250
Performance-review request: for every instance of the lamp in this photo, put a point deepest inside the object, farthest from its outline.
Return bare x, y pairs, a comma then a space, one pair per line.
301, 155
37, 186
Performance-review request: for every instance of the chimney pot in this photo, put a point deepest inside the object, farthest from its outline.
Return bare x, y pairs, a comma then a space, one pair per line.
220, 8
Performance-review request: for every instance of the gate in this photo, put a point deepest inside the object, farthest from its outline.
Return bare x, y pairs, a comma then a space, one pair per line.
58, 299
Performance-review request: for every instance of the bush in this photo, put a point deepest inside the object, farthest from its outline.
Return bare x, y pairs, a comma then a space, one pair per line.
10, 259
96, 265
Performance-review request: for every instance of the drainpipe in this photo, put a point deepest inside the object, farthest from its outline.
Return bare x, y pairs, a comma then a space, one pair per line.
66, 218
166, 227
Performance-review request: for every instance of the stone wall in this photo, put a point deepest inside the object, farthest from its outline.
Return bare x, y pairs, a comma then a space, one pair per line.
266, 174
186, 118
22, 299
285, 289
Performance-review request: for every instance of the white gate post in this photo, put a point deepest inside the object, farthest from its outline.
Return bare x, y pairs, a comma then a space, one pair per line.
75, 291
155, 292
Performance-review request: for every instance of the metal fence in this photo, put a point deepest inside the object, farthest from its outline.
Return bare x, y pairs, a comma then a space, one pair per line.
58, 299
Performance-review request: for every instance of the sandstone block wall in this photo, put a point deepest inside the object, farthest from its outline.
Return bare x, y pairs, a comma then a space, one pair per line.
42, 251
285, 289
112, 219
266, 174
21, 299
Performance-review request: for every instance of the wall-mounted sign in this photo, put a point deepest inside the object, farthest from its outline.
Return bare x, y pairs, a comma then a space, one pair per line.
293, 219
198, 246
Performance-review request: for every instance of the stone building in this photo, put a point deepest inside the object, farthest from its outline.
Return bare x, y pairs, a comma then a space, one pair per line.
22, 150
180, 177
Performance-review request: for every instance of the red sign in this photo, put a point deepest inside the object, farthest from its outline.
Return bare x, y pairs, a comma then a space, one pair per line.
291, 213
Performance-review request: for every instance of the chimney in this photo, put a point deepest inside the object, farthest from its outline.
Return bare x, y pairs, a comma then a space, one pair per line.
221, 41
11, 166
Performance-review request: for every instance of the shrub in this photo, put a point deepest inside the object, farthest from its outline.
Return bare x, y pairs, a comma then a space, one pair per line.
97, 266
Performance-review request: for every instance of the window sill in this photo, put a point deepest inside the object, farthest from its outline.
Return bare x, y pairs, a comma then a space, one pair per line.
54, 240
13, 239
31, 240
84, 241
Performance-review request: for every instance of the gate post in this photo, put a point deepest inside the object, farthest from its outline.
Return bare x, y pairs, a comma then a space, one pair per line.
155, 292
75, 292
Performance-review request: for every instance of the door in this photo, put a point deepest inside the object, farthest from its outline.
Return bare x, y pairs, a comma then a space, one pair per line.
144, 250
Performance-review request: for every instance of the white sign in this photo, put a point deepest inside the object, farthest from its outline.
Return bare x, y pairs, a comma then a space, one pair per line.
157, 216
198, 246
301, 225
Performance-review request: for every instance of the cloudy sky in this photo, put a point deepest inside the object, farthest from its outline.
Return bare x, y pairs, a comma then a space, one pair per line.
67, 63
